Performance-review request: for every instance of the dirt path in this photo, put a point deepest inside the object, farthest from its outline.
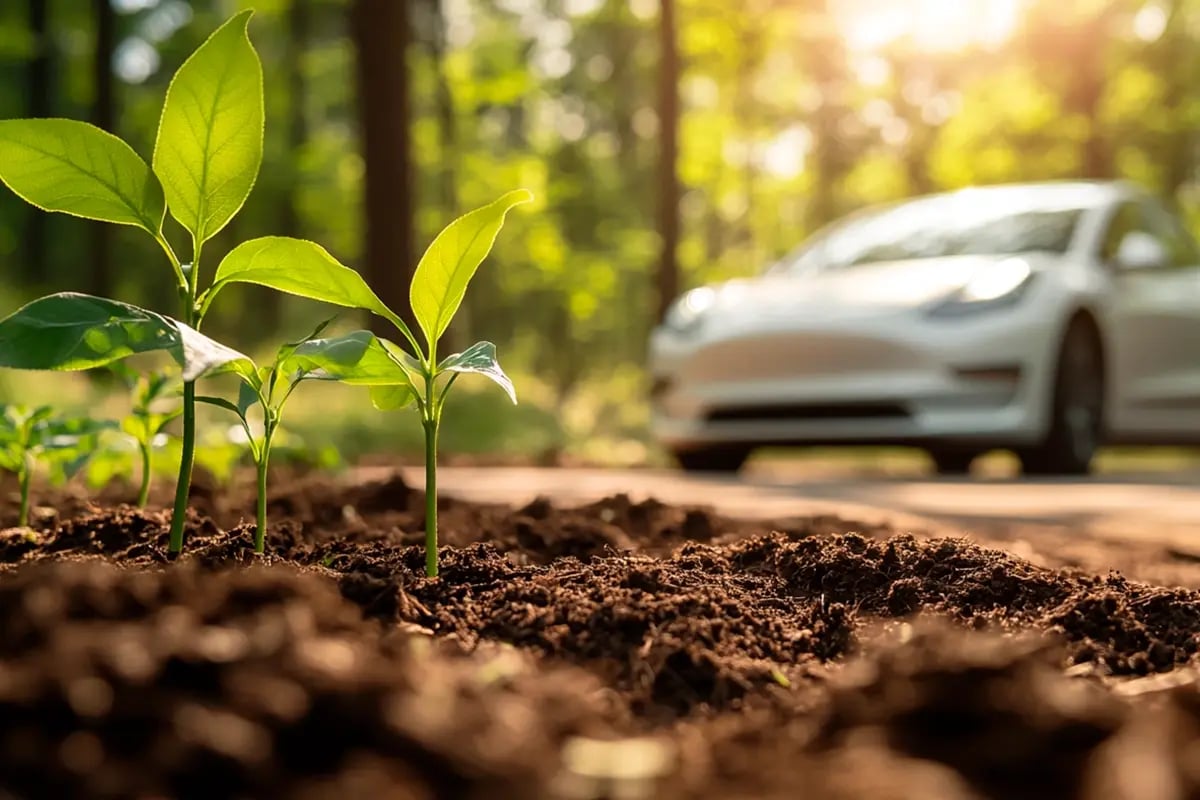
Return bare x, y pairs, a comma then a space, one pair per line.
1163, 508
1152, 514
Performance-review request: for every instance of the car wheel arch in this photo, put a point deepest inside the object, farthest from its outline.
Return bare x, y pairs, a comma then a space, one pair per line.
1057, 453
1087, 318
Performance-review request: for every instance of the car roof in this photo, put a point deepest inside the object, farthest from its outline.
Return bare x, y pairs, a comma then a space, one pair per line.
1081, 193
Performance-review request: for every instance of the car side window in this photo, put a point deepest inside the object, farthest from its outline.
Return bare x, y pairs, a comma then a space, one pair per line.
1151, 218
1169, 230
1125, 220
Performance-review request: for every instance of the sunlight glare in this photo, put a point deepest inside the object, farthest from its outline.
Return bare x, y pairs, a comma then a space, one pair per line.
929, 25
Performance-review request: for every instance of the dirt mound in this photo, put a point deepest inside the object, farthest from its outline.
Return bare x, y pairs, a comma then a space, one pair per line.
1120, 626
994, 708
783, 660
260, 682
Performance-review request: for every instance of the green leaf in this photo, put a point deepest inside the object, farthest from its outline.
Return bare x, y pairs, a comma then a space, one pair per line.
67, 434
137, 426
285, 352
76, 168
203, 356
210, 138
219, 402
298, 267
66, 444
444, 271
390, 398
357, 358
70, 331
480, 358
247, 399
158, 422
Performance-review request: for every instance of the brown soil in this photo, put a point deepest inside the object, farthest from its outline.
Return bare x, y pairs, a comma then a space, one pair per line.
620, 649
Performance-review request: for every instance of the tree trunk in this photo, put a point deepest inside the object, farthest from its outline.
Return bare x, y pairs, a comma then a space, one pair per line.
298, 32
667, 280
461, 329
381, 31
104, 115
447, 121
38, 88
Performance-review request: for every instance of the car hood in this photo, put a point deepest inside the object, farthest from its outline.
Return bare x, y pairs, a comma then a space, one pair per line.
886, 285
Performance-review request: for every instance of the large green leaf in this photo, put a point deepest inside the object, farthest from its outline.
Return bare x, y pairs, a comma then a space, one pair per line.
298, 267
210, 138
200, 356
76, 168
70, 331
480, 358
444, 271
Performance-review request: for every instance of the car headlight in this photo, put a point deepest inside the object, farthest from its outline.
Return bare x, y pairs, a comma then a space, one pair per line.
686, 312
993, 286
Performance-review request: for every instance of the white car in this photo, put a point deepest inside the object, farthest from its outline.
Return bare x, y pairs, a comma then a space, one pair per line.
1044, 318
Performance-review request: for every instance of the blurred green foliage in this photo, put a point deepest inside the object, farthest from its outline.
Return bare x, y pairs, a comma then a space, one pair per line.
791, 116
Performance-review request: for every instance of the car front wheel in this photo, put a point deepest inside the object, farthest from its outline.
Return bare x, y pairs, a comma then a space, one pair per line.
1077, 413
712, 459
952, 462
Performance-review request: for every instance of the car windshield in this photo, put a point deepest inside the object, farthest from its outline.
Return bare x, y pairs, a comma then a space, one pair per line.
979, 222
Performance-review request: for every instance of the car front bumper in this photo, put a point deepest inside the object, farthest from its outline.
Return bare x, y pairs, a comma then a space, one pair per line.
893, 378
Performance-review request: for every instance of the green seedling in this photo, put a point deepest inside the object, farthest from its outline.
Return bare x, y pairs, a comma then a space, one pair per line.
357, 358
148, 418
61, 444
207, 154
436, 292
439, 284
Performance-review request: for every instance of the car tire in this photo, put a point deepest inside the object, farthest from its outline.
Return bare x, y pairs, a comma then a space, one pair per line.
1077, 410
953, 462
712, 459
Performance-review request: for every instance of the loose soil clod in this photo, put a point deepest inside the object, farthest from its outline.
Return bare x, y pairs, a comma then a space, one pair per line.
731, 659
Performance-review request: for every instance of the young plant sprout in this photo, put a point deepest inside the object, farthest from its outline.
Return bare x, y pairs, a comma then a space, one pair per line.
207, 155
60, 443
206, 159
355, 358
147, 421
437, 290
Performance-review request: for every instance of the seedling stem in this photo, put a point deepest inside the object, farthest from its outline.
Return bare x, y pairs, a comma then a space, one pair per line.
26, 480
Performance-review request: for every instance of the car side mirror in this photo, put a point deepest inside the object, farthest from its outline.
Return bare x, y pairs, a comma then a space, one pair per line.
1140, 250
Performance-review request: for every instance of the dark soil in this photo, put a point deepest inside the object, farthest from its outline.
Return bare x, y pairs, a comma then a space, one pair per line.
617, 650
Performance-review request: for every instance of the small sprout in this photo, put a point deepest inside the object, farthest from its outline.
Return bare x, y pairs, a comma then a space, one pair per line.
780, 678
267, 389
60, 443
147, 421
438, 288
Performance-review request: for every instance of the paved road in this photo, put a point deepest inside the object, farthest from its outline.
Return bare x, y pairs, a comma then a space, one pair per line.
1146, 508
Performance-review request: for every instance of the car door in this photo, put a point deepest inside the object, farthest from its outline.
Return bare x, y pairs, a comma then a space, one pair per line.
1155, 319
